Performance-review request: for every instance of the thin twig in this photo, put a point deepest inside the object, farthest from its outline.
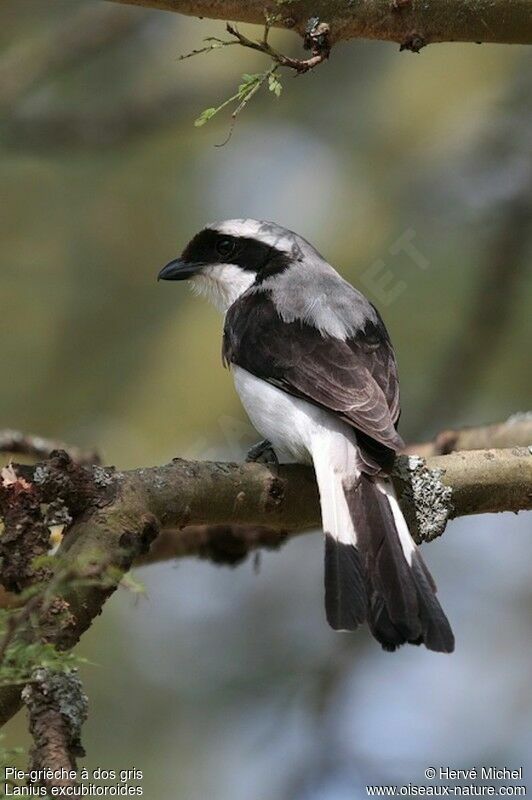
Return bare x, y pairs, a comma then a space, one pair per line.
245, 100
217, 44
317, 40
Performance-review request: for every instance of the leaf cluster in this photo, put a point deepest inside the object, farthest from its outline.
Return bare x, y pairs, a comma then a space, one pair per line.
249, 86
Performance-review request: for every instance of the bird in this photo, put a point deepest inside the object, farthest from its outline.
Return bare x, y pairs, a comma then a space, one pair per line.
316, 372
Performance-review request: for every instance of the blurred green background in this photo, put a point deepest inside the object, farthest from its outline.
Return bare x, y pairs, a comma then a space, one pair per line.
413, 175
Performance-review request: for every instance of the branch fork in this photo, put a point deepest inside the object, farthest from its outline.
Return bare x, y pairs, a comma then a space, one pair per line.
316, 39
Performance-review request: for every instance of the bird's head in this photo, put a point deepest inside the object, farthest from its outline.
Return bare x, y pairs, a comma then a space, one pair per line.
225, 258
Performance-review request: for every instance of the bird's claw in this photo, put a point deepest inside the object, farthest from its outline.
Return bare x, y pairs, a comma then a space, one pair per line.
263, 453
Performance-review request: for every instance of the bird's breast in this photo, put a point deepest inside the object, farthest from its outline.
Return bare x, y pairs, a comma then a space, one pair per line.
285, 421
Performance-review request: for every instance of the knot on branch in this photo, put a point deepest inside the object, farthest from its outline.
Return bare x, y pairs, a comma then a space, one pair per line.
57, 707
317, 38
413, 42
427, 501
275, 491
135, 543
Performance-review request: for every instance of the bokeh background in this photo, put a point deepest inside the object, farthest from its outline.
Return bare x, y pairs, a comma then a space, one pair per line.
413, 175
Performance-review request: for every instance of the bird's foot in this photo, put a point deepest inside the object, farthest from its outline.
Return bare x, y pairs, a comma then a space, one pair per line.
263, 453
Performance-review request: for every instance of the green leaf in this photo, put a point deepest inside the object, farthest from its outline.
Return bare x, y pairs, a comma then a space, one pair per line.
248, 83
275, 85
205, 116
20, 658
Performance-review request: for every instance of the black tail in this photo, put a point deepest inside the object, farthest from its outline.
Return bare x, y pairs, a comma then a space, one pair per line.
345, 587
377, 581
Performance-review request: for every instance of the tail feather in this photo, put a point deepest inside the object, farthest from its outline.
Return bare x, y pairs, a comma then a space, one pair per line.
373, 569
345, 588
389, 634
393, 600
345, 591
402, 595
437, 633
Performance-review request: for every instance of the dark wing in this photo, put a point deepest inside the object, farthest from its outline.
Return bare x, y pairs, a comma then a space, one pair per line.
356, 378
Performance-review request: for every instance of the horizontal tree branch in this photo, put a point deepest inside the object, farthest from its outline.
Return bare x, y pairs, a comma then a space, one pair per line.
118, 515
185, 492
516, 431
412, 23
484, 481
38, 447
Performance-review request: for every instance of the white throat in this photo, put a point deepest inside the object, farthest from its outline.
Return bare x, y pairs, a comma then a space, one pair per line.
222, 284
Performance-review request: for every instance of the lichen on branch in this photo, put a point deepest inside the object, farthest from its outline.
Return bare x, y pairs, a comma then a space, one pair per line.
57, 708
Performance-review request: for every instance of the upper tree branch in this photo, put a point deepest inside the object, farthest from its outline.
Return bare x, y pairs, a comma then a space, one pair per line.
515, 431
412, 23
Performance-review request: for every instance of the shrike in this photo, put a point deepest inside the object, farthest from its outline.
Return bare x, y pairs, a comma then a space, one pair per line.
316, 372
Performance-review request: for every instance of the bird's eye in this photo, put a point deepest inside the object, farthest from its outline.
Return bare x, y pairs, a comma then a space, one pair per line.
225, 247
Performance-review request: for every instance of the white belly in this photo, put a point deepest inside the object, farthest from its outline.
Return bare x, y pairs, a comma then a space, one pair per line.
290, 424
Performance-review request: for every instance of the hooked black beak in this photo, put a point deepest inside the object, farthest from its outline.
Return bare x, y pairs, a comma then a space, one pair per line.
179, 270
